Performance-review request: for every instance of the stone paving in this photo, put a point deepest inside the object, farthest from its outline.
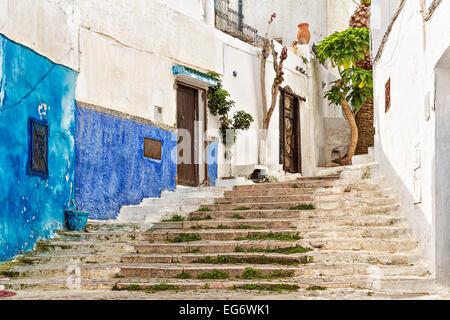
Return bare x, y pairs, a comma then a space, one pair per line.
318, 238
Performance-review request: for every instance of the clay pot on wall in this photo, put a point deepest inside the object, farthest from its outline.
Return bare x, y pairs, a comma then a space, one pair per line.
303, 35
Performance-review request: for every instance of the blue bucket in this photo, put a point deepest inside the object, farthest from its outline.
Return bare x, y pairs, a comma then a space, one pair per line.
77, 220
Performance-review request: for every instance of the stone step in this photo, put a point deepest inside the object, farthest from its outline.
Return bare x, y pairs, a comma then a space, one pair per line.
398, 287
376, 182
287, 223
211, 247
291, 205
321, 257
277, 214
336, 191
231, 234
170, 271
264, 199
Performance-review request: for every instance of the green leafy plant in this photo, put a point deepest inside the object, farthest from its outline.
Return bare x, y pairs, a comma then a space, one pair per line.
238, 216
220, 105
344, 49
241, 209
201, 218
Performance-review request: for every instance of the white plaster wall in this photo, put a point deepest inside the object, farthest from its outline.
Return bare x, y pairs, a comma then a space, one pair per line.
405, 140
324, 16
49, 27
124, 51
381, 15
191, 8
289, 14
339, 13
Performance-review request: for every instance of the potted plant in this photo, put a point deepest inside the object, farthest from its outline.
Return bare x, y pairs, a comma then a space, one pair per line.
76, 220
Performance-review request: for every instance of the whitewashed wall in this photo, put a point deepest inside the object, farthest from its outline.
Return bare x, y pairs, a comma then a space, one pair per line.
124, 51
49, 27
405, 137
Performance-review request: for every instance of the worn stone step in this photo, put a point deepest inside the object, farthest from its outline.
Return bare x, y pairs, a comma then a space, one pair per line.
288, 223
202, 246
324, 257
278, 214
169, 271
265, 199
231, 234
313, 184
365, 191
387, 287
237, 271
291, 205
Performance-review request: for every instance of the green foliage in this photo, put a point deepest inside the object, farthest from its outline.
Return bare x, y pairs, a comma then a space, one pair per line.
219, 104
268, 287
175, 218
282, 236
215, 274
183, 275
185, 237
355, 85
344, 49
303, 207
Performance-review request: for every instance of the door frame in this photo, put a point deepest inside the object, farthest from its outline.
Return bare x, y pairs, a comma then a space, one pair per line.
298, 137
203, 92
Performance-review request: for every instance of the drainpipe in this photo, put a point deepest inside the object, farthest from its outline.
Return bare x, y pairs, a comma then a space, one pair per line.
240, 15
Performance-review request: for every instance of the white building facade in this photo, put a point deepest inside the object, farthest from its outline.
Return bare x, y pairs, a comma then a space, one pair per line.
412, 113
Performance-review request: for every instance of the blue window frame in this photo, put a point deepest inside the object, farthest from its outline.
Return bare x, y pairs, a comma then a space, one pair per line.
38, 132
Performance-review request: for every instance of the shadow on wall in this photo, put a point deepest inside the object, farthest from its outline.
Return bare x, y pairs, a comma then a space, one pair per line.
32, 206
416, 217
111, 169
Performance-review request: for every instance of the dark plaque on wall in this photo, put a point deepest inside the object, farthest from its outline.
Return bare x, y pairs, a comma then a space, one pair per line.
152, 149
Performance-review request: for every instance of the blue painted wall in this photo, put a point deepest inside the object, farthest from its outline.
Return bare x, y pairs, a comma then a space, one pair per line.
111, 170
32, 208
213, 149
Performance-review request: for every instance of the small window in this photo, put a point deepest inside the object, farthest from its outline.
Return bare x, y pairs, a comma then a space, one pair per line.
152, 149
38, 153
388, 95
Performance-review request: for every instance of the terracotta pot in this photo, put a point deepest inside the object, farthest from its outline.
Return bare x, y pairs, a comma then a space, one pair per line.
303, 35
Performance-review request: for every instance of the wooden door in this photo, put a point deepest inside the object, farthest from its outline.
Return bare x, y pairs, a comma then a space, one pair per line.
187, 114
290, 148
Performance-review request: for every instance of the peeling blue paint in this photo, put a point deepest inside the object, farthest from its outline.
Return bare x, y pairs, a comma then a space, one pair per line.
32, 208
213, 149
111, 170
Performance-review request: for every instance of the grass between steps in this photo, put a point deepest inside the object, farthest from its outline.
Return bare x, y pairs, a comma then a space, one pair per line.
271, 236
175, 218
303, 207
242, 209
200, 218
185, 237
290, 250
250, 273
316, 288
155, 288
253, 260
226, 227
279, 288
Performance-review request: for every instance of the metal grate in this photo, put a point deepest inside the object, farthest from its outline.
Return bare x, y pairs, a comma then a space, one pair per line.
231, 22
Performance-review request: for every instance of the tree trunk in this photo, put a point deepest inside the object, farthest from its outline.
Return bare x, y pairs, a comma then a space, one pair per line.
347, 160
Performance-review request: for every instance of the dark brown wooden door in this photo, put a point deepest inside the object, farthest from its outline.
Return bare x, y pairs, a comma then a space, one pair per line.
290, 149
187, 113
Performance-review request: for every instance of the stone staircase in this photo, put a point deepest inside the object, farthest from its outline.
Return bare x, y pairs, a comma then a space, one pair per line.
327, 236
180, 202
